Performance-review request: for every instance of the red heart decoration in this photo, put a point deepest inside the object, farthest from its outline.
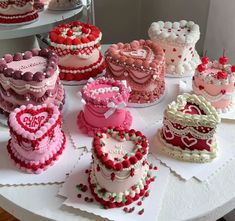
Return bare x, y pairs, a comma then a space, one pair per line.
201, 87
174, 49
164, 50
223, 91
179, 56
172, 60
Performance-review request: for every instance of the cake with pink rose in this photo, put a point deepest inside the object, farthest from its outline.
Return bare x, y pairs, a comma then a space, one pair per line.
29, 78
120, 173
215, 80
78, 46
36, 138
105, 102
189, 129
142, 64
17, 12
178, 40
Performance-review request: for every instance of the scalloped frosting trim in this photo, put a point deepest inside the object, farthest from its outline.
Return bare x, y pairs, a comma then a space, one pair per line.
195, 156
210, 119
212, 78
4, 5
171, 32
143, 55
128, 161
75, 35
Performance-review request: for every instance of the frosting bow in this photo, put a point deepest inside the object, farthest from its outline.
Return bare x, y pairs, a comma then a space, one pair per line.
112, 107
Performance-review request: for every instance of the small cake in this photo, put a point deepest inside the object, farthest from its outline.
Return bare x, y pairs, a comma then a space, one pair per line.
105, 101
215, 80
77, 45
119, 171
36, 137
178, 41
17, 12
64, 4
29, 78
189, 128
142, 64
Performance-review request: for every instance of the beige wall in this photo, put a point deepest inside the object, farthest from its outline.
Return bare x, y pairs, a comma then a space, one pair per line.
125, 20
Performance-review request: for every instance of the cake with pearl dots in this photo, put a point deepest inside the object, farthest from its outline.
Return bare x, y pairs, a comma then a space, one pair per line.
78, 46
29, 78
120, 173
142, 65
178, 40
36, 138
189, 129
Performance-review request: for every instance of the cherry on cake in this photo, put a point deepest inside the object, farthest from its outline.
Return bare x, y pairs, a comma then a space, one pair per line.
215, 80
29, 78
105, 102
178, 41
63, 4
142, 64
189, 129
78, 46
120, 172
36, 140
17, 12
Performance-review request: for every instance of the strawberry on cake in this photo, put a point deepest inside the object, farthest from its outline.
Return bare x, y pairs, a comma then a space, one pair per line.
17, 12
29, 78
77, 44
36, 137
142, 64
178, 41
189, 128
215, 80
119, 172
104, 101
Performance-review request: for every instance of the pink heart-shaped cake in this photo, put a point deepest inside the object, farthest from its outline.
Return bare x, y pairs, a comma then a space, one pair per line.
29, 77
189, 127
36, 137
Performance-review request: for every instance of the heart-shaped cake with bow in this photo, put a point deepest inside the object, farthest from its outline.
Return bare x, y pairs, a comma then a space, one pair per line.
142, 64
29, 77
189, 128
36, 137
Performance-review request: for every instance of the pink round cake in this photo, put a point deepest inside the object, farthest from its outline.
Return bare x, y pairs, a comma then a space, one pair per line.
29, 78
17, 12
142, 64
215, 80
105, 101
36, 137
120, 173
77, 45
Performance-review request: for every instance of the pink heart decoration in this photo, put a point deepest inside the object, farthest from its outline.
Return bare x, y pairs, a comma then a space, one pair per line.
168, 133
188, 141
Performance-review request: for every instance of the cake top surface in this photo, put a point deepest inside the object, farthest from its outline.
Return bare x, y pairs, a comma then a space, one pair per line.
192, 110
75, 35
120, 149
104, 91
182, 32
35, 65
34, 122
4, 4
216, 72
142, 54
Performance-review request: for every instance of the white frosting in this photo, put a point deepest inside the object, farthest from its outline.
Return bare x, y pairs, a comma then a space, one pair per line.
63, 4
104, 90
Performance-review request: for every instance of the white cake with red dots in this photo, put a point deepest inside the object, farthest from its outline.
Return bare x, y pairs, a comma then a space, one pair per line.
120, 171
178, 40
215, 81
63, 4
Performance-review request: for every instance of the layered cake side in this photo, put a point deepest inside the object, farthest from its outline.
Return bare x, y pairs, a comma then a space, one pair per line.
119, 172
37, 139
189, 129
78, 46
142, 64
178, 40
29, 78
105, 102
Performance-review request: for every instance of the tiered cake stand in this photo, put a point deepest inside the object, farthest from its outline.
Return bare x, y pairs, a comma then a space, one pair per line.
15, 38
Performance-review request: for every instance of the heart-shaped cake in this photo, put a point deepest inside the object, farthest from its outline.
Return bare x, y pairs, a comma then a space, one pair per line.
29, 77
141, 63
189, 128
119, 167
77, 45
36, 137
178, 41
215, 80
